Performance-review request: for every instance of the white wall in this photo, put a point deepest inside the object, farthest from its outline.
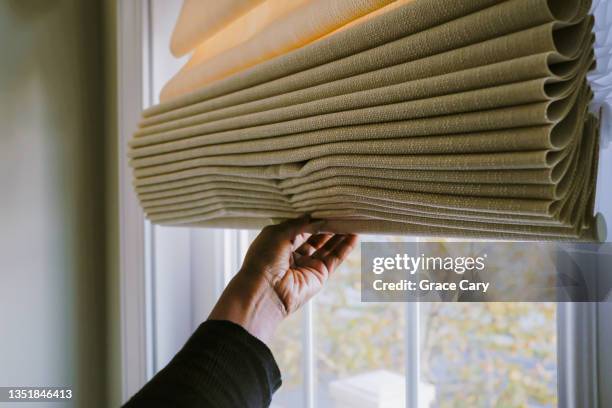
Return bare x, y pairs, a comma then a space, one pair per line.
52, 230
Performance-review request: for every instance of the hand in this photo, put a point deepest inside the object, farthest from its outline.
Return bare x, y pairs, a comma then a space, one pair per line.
295, 263
285, 266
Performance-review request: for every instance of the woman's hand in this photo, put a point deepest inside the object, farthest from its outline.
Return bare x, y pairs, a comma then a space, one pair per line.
295, 260
285, 266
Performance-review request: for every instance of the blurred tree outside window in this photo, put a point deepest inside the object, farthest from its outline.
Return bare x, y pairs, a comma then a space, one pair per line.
500, 355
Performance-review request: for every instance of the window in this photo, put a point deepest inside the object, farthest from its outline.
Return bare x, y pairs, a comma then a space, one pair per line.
338, 351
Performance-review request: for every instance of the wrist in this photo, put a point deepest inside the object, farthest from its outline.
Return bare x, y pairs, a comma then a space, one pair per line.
252, 304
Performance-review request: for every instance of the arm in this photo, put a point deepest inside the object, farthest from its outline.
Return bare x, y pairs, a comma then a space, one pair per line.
226, 362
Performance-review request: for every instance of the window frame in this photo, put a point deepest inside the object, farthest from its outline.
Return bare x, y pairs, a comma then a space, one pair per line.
135, 302
142, 326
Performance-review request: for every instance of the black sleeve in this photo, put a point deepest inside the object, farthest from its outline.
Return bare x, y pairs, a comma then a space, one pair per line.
221, 365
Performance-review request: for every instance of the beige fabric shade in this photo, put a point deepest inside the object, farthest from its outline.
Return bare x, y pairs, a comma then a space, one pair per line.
424, 117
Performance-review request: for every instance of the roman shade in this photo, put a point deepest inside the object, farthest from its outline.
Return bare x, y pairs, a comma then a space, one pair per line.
422, 117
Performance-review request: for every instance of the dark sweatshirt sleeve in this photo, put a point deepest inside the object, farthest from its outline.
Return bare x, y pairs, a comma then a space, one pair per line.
221, 365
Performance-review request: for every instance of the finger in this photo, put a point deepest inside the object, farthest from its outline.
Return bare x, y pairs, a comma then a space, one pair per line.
342, 250
300, 240
333, 257
312, 244
328, 247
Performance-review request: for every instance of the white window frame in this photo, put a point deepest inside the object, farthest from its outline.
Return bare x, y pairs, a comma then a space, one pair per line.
132, 269
140, 357
141, 325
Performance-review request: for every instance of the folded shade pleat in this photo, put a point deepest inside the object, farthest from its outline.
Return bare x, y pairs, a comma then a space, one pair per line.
331, 166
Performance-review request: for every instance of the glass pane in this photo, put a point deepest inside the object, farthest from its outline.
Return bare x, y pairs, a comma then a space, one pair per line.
287, 350
359, 346
488, 355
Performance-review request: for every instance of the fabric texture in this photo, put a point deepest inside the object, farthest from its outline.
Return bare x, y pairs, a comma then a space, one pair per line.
290, 30
462, 119
199, 20
240, 29
221, 365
